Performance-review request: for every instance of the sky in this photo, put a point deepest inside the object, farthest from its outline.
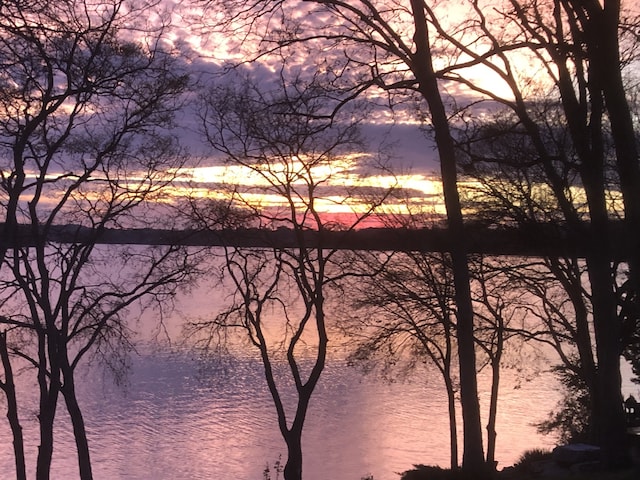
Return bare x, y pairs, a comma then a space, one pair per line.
413, 157
411, 153
205, 53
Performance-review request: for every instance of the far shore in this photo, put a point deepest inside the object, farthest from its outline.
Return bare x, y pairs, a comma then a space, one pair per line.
541, 240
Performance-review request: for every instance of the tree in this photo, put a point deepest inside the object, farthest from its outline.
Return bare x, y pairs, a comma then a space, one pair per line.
567, 41
389, 49
497, 309
511, 185
85, 142
404, 317
427, 84
295, 153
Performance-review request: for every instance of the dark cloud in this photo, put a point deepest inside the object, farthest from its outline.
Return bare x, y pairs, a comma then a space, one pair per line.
407, 147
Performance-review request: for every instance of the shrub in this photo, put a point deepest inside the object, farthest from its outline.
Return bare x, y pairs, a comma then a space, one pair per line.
425, 472
529, 459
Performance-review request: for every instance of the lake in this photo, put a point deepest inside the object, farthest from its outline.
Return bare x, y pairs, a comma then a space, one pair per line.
180, 418
177, 419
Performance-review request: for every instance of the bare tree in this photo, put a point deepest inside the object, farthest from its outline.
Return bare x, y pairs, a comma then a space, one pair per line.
388, 48
571, 46
294, 155
403, 317
498, 312
84, 133
567, 41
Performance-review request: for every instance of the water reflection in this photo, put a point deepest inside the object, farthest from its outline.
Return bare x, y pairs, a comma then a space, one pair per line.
177, 419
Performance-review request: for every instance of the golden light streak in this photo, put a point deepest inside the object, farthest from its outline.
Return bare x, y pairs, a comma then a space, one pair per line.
346, 190
347, 195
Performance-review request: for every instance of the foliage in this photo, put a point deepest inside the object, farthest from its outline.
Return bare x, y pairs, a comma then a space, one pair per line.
629, 313
571, 419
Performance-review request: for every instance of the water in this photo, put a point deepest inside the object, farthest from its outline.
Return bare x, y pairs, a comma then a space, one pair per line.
178, 418
181, 419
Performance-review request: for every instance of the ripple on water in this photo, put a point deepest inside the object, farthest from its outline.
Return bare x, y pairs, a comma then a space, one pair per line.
178, 418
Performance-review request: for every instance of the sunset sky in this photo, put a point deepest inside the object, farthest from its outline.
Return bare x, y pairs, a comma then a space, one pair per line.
204, 52
410, 153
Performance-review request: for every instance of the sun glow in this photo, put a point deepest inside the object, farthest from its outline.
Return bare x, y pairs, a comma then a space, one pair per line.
338, 190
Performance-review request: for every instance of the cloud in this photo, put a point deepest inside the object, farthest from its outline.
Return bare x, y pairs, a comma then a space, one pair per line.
407, 146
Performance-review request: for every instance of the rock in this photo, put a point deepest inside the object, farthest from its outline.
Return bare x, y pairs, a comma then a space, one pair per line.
585, 467
567, 455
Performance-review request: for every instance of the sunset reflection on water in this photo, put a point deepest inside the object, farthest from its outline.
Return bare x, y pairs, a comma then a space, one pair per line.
179, 420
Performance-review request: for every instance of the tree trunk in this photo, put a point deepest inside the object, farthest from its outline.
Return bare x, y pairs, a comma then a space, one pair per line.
293, 467
77, 420
623, 132
609, 403
49, 386
493, 405
12, 410
473, 455
609, 413
453, 422
46, 418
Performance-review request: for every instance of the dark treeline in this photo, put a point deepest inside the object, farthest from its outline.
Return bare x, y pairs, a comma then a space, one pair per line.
541, 241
